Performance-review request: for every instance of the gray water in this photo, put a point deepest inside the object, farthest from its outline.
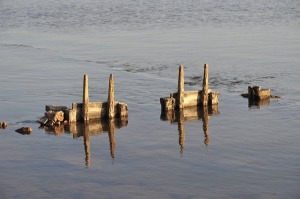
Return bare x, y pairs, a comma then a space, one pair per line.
247, 152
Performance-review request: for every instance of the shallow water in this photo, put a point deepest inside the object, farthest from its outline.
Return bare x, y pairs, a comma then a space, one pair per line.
240, 152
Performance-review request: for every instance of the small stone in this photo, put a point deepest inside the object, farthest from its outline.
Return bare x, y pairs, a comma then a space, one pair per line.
24, 130
55, 116
4, 125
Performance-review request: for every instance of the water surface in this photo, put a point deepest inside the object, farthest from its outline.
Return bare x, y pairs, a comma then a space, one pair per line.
239, 151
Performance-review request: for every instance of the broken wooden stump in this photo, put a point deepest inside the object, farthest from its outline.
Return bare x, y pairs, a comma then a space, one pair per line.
24, 130
96, 110
183, 99
255, 93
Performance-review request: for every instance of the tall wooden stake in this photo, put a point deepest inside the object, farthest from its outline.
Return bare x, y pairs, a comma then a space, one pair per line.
205, 86
111, 98
181, 87
85, 101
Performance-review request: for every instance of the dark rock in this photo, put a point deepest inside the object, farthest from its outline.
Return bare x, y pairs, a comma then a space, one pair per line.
24, 130
55, 116
4, 125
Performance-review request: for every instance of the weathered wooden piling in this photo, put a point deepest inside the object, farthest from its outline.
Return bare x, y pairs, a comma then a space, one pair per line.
111, 98
85, 100
183, 99
205, 86
181, 87
96, 110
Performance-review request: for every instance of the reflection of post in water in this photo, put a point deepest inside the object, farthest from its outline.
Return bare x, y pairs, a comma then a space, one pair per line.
86, 139
181, 130
111, 136
189, 114
205, 125
258, 104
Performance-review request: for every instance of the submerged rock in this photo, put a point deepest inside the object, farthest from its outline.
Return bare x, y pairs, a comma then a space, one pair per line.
24, 130
4, 125
52, 118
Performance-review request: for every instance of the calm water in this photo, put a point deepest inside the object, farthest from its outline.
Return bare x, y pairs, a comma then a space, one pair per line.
236, 151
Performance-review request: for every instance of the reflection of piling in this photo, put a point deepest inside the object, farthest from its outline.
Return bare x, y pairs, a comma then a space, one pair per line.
111, 136
181, 87
189, 114
111, 98
205, 86
181, 130
87, 149
85, 101
205, 125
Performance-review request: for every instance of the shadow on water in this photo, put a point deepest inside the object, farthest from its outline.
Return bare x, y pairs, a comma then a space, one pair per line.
91, 128
190, 114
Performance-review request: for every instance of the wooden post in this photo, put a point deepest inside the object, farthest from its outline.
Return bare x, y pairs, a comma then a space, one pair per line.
181, 87
111, 98
205, 86
85, 101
